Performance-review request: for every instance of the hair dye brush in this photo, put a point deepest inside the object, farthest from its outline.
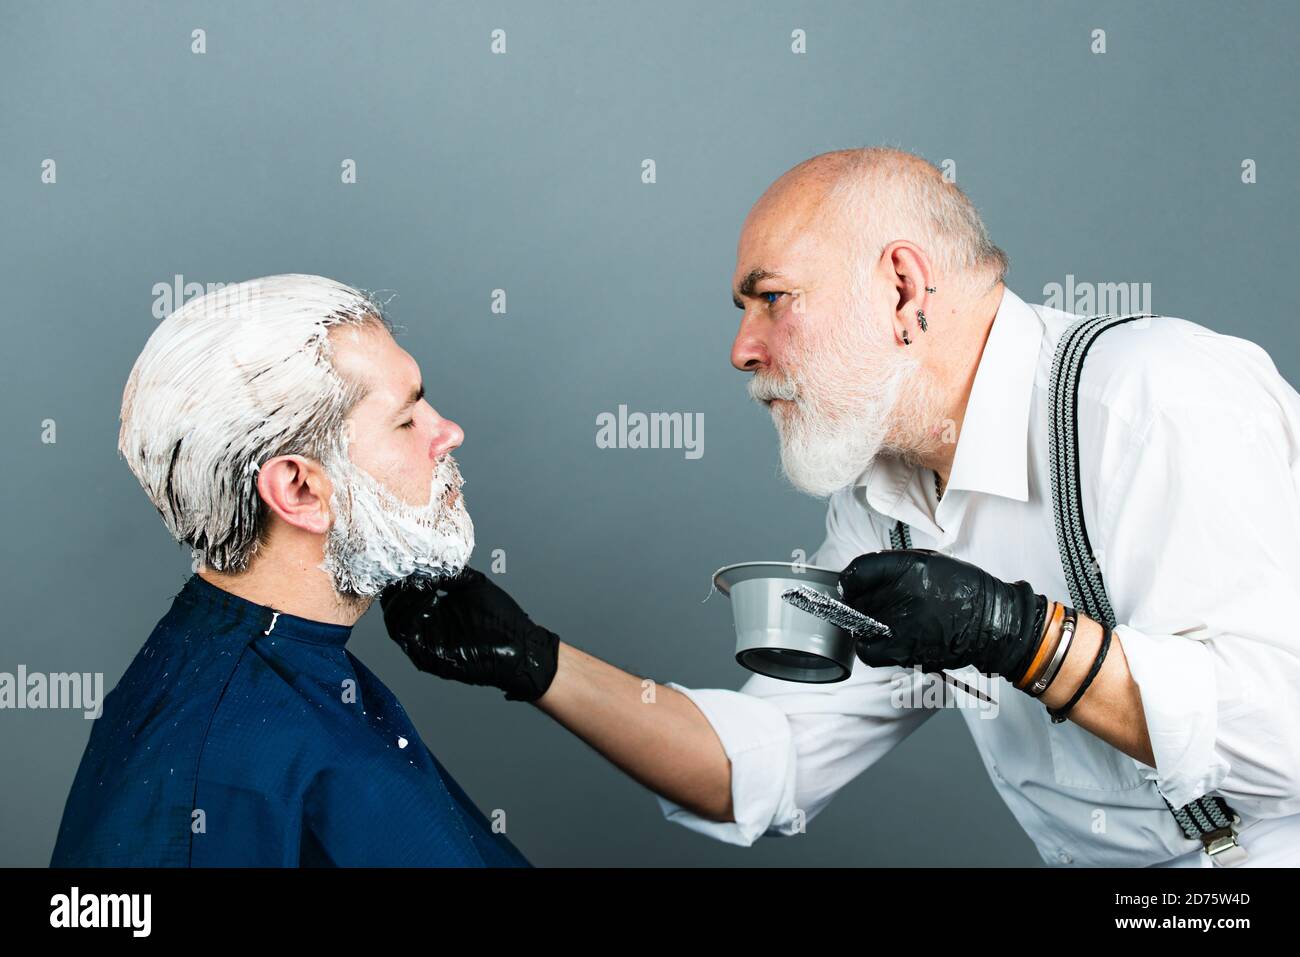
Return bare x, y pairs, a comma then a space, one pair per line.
853, 621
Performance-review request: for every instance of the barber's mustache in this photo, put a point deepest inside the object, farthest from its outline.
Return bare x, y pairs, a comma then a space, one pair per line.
765, 388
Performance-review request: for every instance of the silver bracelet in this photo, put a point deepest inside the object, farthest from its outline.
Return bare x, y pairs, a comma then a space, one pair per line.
1062, 648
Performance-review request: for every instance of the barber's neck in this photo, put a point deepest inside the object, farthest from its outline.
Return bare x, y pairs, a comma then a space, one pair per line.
285, 576
959, 329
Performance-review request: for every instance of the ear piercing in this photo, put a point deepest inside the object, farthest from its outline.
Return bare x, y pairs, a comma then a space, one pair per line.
920, 315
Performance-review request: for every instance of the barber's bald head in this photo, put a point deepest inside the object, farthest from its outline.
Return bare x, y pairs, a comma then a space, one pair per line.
862, 200
834, 263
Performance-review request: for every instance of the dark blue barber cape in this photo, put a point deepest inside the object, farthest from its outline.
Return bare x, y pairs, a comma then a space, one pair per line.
239, 736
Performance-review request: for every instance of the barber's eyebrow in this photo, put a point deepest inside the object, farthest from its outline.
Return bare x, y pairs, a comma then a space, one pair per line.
748, 284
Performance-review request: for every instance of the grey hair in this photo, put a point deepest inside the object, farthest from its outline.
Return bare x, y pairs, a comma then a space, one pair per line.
229, 380
885, 194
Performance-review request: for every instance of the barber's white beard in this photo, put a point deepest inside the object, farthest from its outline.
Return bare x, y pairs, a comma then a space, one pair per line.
851, 403
377, 539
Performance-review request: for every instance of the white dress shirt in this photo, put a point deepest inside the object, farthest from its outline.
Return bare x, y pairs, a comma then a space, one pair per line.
1189, 443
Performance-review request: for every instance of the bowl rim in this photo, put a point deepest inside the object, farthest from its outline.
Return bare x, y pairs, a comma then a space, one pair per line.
730, 575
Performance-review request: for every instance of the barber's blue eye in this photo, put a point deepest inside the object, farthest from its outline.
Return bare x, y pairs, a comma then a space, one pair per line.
771, 296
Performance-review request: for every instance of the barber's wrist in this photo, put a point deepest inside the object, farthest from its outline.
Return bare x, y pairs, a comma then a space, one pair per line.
1083, 651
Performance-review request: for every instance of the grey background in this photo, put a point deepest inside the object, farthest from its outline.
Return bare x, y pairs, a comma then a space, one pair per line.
523, 172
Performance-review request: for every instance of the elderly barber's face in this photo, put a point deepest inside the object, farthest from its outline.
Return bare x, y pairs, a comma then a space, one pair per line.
397, 502
822, 358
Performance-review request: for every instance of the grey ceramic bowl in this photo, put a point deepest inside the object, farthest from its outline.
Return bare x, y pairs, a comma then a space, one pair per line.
773, 637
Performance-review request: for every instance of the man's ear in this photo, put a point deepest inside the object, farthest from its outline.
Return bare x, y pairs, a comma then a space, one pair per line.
908, 271
296, 489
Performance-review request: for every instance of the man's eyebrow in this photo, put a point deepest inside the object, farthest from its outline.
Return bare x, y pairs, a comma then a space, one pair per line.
751, 280
416, 395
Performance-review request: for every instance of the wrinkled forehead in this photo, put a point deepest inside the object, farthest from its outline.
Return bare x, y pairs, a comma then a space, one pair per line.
791, 234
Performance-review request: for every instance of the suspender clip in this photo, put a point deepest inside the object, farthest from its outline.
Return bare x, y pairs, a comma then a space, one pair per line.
1222, 845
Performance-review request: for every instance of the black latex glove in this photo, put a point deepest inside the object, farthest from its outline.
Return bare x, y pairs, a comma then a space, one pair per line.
474, 633
944, 613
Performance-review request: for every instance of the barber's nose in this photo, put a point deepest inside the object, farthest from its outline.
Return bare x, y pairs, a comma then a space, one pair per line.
749, 351
447, 435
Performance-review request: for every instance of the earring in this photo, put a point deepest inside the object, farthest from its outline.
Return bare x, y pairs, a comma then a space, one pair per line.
930, 289
906, 341
920, 317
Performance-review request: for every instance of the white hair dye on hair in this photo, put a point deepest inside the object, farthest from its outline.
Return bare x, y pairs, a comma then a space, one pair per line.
228, 381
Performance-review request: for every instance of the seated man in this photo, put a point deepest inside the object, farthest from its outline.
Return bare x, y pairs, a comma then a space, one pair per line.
281, 432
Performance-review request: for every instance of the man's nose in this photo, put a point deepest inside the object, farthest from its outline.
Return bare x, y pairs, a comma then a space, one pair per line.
447, 435
749, 350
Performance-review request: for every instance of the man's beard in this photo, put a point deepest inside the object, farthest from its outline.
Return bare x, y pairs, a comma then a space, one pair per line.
377, 539
843, 408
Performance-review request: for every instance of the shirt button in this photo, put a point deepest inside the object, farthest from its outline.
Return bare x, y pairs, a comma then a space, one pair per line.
1065, 858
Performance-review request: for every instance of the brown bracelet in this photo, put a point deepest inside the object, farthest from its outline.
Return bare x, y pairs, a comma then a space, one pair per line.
1045, 649
1064, 644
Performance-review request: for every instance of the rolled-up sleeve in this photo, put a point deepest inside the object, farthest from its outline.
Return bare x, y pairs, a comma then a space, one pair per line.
792, 746
756, 737
1200, 554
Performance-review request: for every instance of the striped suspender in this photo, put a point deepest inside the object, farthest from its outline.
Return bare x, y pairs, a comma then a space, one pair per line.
1208, 819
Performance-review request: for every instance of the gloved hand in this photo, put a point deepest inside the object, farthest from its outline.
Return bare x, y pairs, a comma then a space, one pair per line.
474, 633
944, 613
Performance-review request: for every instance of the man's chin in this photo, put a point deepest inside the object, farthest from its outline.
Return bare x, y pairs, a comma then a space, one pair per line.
821, 481
358, 579
818, 484
813, 488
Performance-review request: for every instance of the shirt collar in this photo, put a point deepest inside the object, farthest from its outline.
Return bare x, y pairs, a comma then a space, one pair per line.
205, 597
992, 449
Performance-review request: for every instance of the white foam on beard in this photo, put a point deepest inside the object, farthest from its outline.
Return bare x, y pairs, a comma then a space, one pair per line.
377, 539
843, 403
